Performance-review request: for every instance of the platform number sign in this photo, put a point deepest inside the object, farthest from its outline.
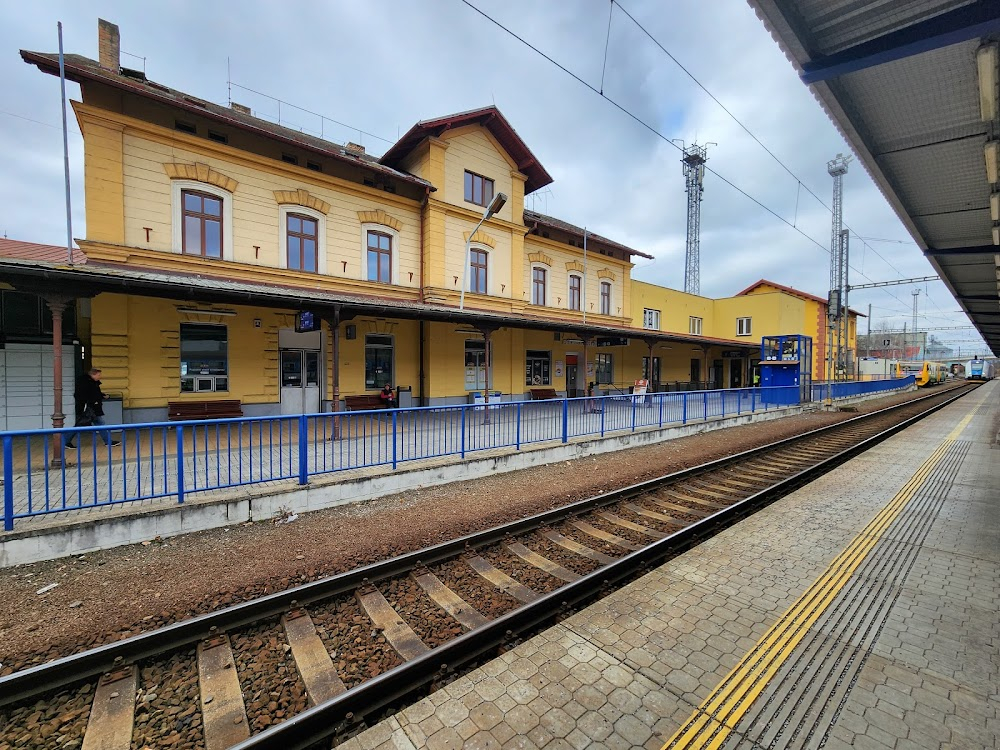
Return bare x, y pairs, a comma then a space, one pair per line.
886, 342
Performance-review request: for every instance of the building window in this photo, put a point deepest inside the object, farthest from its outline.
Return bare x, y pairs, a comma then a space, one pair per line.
605, 298
538, 276
202, 222
478, 270
651, 319
204, 358
478, 189
575, 292
694, 326
378, 361
654, 376
743, 326
475, 365
604, 366
536, 368
302, 242
379, 257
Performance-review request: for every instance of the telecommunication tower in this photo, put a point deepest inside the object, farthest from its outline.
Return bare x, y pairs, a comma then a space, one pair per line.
838, 357
694, 160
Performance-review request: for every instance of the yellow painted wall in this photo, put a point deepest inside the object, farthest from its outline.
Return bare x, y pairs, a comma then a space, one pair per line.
566, 260
147, 203
472, 148
676, 308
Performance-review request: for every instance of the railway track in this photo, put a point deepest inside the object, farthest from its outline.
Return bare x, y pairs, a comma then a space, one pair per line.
314, 662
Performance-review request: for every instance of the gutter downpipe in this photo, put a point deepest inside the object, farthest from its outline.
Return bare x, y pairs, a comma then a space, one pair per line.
422, 376
583, 302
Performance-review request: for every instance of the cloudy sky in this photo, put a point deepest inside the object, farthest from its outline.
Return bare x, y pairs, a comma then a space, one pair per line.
378, 66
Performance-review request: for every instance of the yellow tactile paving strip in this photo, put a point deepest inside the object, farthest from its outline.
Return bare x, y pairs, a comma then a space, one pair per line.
713, 722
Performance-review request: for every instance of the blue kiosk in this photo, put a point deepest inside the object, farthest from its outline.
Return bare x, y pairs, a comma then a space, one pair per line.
786, 361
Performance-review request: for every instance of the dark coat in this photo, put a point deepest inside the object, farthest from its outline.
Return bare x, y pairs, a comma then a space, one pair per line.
88, 393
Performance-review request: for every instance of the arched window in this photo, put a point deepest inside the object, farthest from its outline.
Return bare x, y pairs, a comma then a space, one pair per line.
202, 221
379, 257
539, 277
605, 298
478, 270
575, 291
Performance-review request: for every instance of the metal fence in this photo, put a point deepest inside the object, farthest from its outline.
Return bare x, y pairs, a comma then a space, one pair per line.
176, 459
835, 391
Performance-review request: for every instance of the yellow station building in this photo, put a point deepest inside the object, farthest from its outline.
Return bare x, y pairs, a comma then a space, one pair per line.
210, 231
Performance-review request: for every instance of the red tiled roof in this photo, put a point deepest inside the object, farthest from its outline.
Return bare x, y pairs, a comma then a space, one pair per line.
34, 251
790, 290
533, 217
491, 119
80, 68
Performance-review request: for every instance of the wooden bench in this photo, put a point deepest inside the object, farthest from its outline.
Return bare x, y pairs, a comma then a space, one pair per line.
540, 394
362, 403
183, 410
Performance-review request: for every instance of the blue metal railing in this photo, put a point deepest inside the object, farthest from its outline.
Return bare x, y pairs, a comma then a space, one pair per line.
835, 391
177, 459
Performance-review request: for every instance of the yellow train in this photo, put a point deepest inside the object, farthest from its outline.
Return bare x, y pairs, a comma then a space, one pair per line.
925, 373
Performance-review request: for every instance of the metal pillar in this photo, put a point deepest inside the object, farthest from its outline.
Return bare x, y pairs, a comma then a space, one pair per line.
57, 305
837, 168
916, 294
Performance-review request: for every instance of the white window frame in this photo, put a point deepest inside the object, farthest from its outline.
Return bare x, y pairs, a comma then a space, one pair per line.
611, 296
394, 266
320, 218
742, 330
531, 283
650, 319
569, 282
177, 216
485, 249
695, 325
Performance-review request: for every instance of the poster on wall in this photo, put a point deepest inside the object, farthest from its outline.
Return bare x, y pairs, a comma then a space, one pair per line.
590, 370
559, 368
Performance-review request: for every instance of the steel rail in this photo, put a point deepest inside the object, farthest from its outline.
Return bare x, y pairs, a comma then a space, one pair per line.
35, 681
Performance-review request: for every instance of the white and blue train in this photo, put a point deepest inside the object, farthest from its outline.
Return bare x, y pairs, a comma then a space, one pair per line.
980, 369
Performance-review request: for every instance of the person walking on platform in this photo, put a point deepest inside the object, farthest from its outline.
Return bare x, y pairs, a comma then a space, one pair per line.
89, 407
387, 396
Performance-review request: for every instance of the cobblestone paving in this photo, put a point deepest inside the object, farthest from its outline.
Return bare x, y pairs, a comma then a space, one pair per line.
634, 667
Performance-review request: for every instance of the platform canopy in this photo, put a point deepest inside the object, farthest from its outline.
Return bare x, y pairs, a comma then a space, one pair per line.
912, 86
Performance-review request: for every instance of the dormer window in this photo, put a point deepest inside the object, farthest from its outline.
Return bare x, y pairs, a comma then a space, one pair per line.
478, 189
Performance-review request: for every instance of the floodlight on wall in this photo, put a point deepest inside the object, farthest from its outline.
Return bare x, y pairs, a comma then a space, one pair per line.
995, 206
986, 62
992, 152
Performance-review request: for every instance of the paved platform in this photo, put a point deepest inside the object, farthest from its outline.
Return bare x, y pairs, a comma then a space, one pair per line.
860, 611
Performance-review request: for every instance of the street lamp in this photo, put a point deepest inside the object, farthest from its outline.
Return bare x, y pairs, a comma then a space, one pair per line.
495, 205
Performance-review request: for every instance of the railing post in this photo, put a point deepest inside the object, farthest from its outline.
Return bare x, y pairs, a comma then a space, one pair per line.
705, 399
604, 409
518, 439
463, 408
661, 410
739, 403
303, 449
753, 400
633, 413
180, 463
395, 424
565, 420
684, 408
8, 481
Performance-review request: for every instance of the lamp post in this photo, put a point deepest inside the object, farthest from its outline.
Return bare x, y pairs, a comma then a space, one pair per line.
495, 205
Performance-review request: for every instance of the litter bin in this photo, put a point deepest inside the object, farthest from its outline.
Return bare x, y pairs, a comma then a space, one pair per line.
113, 410
404, 395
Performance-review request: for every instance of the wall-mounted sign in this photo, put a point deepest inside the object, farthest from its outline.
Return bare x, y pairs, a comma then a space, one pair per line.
306, 321
612, 341
732, 354
559, 368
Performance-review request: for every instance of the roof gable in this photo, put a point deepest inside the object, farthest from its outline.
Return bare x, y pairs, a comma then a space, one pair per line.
494, 122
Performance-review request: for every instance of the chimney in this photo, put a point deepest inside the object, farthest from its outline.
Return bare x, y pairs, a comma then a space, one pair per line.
108, 45
241, 108
354, 148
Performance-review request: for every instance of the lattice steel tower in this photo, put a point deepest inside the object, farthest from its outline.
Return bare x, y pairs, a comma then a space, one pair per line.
837, 168
694, 160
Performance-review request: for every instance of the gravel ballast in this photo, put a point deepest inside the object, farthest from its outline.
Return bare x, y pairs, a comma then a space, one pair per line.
104, 596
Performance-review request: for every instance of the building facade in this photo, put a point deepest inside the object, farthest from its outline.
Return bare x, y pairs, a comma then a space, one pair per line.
227, 257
